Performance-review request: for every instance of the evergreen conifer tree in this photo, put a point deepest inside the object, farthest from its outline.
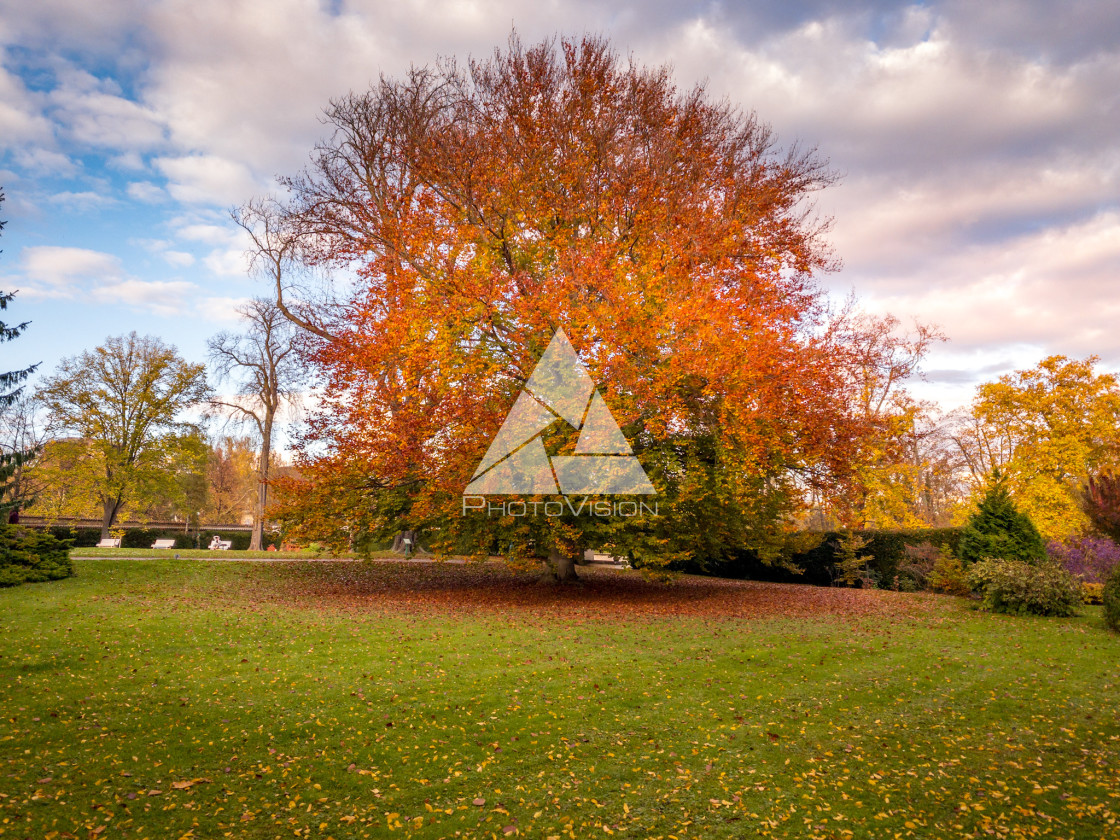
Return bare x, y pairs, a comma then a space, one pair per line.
998, 530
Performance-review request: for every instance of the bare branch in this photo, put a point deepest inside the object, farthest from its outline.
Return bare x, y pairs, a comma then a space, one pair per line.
276, 250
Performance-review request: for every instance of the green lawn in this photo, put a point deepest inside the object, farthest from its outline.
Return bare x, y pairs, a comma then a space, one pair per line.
168, 699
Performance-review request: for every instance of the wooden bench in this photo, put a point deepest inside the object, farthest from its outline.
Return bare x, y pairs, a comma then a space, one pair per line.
110, 542
163, 544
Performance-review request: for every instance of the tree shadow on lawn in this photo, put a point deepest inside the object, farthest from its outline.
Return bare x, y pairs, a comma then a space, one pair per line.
601, 593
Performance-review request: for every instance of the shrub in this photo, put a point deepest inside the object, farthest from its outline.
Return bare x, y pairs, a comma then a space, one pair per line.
949, 575
1091, 593
31, 556
999, 531
1110, 597
1019, 588
851, 566
1090, 558
914, 570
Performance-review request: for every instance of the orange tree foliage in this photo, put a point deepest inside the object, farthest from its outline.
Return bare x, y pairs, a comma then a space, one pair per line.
480, 208
897, 470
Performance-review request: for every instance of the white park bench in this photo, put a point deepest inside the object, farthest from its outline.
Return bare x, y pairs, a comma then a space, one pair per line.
163, 544
110, 542
221, 545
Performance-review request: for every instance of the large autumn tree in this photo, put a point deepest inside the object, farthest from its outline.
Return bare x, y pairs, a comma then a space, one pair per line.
480, 208
1046, 429
899, 474
123, 405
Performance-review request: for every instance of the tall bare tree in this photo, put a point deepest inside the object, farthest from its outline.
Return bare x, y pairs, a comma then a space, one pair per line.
262, 365
283, 251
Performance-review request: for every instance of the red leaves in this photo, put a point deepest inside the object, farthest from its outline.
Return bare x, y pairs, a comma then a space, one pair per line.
468, 588
556, 185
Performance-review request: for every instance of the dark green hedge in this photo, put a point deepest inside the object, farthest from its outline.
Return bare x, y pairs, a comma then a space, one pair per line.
144, 537
886, 548
30, 556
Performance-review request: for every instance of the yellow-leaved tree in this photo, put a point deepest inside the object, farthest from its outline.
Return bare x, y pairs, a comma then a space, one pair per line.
1046, 430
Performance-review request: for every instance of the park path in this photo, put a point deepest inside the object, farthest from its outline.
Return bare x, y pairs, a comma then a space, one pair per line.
220, 559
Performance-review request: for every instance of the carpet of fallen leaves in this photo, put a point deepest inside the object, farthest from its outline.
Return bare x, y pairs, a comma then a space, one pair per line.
188, 700
607, 593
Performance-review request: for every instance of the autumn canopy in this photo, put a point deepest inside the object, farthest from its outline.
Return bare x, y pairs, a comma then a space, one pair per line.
479, 208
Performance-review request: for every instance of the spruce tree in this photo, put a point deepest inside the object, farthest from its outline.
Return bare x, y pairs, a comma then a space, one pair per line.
999, 530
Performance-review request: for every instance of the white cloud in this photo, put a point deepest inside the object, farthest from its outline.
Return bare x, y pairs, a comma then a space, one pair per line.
127, 161
85, 275
92, 112
907, 105
207, 179
21, 122
100, 28
179, 258
165, 248
207, 233
1053, 289
220, 84
153, 245
884, 226
40, 161
249, 81
147, 192
165, 298
55, 270
220, 310
81, 201
228, 262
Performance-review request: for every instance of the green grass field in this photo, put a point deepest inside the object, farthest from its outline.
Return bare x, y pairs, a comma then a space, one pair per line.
170, 699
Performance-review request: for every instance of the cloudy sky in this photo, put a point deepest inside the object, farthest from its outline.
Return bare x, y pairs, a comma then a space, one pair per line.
979, 145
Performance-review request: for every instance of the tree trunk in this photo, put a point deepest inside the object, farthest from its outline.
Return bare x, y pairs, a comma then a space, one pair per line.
399, 546
257, 540
561, 566
109, 516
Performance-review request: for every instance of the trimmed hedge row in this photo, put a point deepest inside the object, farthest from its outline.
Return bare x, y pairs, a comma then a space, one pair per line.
144, 537
887, 550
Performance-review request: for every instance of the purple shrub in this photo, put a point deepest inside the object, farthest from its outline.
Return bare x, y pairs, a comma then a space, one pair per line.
1090, 557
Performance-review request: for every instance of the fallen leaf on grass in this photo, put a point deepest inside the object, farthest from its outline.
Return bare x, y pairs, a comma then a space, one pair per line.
187, 785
